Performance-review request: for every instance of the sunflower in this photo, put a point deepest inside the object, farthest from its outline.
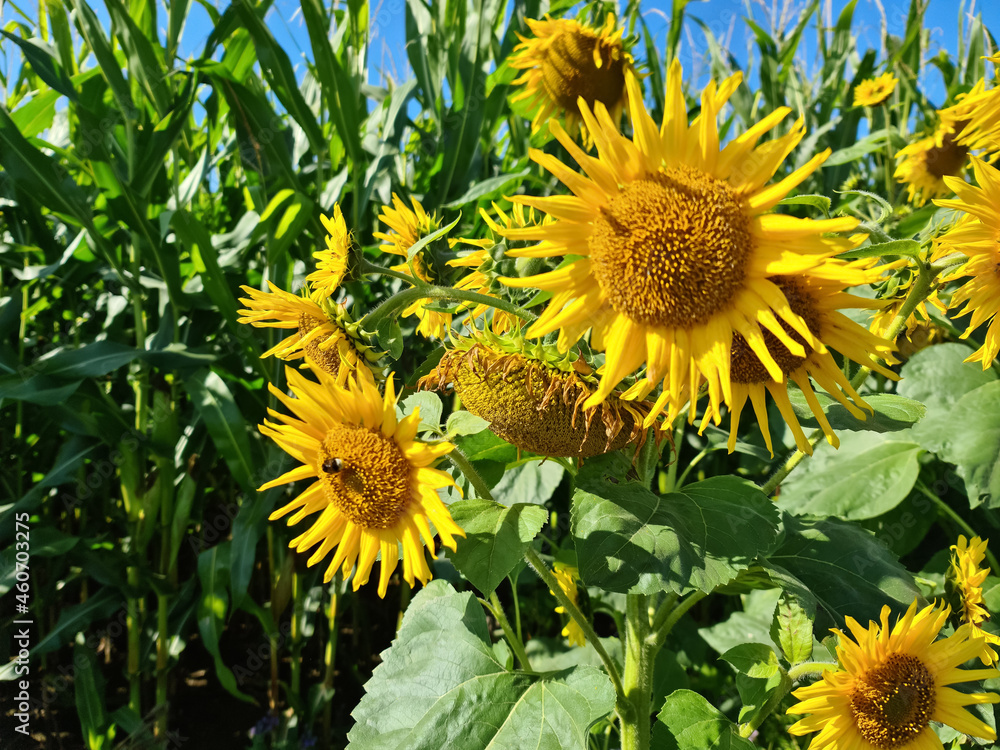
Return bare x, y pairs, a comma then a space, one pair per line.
331, 264
566, 577
966, 579
407, 227
481, 260
324, 333
894, 292
975, 118
565, 62
672, 245
923, 164
816, 297
891, 683
874, 91
373, 482
975, 236
534, 400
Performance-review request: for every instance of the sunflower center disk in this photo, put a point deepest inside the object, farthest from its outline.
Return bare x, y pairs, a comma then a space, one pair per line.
893, 703
746, 367
946, 159
672, 249
569, 71
329, 359
366, 476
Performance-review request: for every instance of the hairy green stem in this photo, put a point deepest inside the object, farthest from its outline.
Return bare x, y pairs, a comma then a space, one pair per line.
465, 466
675, 614
330, 655
496, 609
537, 565
947, 510
638, 682
809, 667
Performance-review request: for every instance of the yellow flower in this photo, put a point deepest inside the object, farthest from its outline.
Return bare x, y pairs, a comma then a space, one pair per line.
975, 236
565, 61
967, 578
324, 333
331, 266
672, 244
891, 683
874, 91
923, 164
407, 227
374, 484
816, 296
897, 289
535, 402
975, 118
482, 276
566, 577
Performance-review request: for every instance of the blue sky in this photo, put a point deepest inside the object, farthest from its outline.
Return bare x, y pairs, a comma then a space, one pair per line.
725, 17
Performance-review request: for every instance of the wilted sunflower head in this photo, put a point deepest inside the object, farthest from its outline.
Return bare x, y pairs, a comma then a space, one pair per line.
564, 62
873, 91
332, 263
923, 164
534, 400
323, 332
966, 576
407, 226
373, 483
891, 683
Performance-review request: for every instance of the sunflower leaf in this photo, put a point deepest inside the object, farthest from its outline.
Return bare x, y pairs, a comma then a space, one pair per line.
688, 721
630, 540
440, 684
496, 537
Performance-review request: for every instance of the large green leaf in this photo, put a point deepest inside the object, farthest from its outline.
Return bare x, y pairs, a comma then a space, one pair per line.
938, 377
867, 477
440, 687
98, 731
631, 540
843, 566
76, 619
496, 538
531, 482
688, 721
89, 361
968, 435
44, 62
890, 412
225, 424
213, 572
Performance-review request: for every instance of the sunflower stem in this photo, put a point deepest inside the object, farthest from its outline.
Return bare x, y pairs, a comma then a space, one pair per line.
536, 564
330, 655
674, 616
773, 701
638, 683
392, 306
889, 158
948, 511
809, 667
465, 466
515, 643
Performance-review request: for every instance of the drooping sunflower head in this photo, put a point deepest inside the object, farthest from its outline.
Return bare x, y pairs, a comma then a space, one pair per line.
873, 91
373, 483
533, 399
966, 576
322, 332
975, 236
566, 577
670, 245
923, 164
407, 226
484, 261
890, 684
563, 62
332, 263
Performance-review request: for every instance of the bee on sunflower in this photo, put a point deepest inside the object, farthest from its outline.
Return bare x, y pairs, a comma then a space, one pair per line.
374, 484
